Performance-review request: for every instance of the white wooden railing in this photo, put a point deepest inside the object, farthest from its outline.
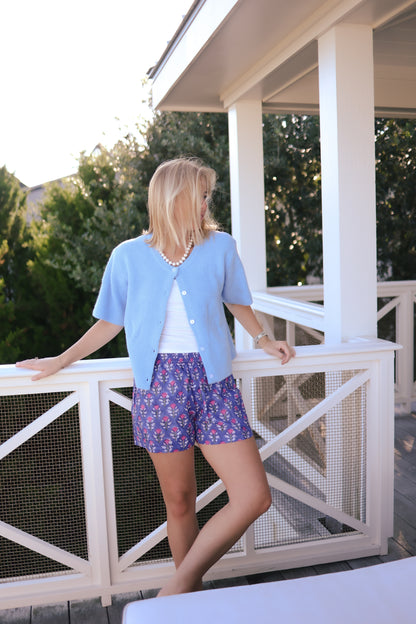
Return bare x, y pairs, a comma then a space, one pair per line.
80, 513
303, 307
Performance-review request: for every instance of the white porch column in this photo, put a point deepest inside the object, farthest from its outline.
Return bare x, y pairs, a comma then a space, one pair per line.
346, 100
247, 195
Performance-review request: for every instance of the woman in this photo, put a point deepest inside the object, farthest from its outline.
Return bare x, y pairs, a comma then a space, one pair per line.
167, 288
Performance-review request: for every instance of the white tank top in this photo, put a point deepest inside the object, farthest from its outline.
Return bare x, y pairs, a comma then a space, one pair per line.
177, 335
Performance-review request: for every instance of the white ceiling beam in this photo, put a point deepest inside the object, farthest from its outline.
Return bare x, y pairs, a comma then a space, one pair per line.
389, 15
311, 29
269, 95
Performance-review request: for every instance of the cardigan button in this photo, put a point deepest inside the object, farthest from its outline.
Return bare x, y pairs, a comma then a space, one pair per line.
192, 322
184, 292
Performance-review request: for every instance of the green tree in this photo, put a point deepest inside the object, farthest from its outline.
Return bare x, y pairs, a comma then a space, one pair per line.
13, 237
15, 291
81, 222
10, 335
396, 198
201, 135
292, 173
293, 198
87, 217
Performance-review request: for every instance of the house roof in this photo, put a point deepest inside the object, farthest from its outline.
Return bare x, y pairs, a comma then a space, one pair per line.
226, 50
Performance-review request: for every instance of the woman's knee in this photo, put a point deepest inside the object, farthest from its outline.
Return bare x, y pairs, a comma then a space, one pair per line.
180, 502
252, 504
259, 502
265, 501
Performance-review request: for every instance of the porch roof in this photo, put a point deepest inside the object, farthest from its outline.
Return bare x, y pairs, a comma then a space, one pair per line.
267, 49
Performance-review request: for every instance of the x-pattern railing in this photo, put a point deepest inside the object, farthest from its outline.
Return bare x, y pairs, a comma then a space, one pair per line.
302, 307
91, 387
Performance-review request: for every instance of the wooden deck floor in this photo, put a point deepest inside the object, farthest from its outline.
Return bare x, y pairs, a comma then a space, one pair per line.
402, 545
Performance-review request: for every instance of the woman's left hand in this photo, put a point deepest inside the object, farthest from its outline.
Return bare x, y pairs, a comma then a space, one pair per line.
277, 348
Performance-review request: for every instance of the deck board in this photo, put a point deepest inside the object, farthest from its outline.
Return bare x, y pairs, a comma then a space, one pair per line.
327, 568
20, 615
148, 593
88, 612
405, 508
265, 577
115, 610
299, 573
50, 614
402, 545
231, 582
395, 552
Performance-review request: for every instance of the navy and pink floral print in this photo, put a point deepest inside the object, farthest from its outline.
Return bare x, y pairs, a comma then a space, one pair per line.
182, 408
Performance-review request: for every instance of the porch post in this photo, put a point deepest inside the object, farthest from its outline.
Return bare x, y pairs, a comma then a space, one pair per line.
247, 195
346, 95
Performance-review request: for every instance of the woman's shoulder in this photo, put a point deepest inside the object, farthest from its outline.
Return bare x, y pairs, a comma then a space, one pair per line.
128, 253
131, 246
222, 240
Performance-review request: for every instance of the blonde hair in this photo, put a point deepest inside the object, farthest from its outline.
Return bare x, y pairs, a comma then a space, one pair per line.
184, 180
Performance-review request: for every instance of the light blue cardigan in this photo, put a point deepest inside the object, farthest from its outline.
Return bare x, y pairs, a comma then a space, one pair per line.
135, 288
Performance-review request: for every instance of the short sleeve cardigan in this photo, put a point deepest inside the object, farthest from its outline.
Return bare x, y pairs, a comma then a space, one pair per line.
135, 288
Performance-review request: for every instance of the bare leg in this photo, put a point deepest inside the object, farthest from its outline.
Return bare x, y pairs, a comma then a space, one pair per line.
176, 474
239, 466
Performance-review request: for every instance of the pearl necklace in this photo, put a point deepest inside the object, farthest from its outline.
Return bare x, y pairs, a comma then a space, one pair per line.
184, 257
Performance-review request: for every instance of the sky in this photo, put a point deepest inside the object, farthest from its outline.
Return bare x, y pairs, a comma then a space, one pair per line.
72, 77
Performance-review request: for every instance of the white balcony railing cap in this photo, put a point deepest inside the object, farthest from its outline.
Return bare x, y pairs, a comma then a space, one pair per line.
120, 369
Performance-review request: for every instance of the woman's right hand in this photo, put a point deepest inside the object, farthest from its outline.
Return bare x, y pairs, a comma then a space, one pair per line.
97, 336
46, 366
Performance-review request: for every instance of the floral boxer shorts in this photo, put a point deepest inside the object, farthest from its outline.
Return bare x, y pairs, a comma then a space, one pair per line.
182, 408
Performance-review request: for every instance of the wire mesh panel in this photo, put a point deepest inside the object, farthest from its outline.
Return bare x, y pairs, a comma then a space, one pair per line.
41, 484
322, 465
